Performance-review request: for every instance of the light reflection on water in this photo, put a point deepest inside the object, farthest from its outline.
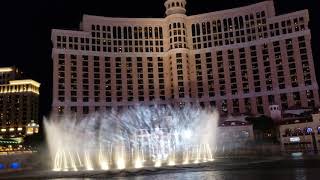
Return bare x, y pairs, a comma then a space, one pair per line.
259, 174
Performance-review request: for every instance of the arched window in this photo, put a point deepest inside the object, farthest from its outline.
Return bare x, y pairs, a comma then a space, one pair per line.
177, 4
236, 23
160, 32
225, 25
93, 27
174, 25
119, 32
230, 22
241, 22
135, 29
219, 26
197, 29
130, 32
179, 25
146, 32
208, 28
98, 27
140, 32
125, 33
172, 4
318, 130
204, 29
156, 32
193, 27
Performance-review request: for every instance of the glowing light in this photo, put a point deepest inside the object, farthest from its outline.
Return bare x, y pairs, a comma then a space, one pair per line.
102, 159
5, 69
104, 165
171, 163
19, 129
56, 169
88, 162
187, 134
157, 164
186, 161
11, 129
29, 131
15, 165
138, 163
23, 82
121, 164
3, 130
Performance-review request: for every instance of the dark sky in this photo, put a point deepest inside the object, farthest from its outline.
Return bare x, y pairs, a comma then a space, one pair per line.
26, 26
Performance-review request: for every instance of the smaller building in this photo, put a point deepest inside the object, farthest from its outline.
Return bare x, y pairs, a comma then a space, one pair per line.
19, 104
300, 131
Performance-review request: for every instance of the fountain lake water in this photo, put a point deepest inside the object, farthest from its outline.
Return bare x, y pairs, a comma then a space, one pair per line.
136, 138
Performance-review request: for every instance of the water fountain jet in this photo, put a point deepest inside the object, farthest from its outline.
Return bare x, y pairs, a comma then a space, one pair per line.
136, 138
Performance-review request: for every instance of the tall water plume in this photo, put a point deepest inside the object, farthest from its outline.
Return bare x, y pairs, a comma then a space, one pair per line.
136, 138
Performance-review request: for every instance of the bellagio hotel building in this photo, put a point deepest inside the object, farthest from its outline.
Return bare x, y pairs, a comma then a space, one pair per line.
239, 60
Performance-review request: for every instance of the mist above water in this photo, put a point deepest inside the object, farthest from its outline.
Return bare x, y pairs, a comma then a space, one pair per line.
135, 138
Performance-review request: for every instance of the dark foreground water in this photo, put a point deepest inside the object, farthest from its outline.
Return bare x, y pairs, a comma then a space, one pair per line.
262, 174
231, 169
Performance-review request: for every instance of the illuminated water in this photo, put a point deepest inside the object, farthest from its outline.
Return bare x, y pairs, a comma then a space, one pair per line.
136, 138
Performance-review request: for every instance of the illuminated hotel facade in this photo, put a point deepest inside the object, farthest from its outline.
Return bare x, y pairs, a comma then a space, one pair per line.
239, 60
19, 104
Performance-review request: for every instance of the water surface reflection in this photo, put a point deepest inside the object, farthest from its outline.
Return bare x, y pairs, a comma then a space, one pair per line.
258, 174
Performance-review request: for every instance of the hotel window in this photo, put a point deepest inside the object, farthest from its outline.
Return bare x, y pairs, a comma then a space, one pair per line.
210, 75
140, 78
267, 67
279, 66
304, 61
297, 99
85, 110
247, 104
61, 109
259, 102
255, 69
220, 66
232, 72
235, 103
73, 109
199, 75
118, 78
284, 101
96, 80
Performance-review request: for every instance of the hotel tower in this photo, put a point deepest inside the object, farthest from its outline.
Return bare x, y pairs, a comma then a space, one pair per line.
238, 60
19, 104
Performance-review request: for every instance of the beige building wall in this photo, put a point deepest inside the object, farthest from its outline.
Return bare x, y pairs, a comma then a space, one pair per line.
239, 60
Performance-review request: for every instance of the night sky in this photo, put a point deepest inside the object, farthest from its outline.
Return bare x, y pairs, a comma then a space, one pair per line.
26, 26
